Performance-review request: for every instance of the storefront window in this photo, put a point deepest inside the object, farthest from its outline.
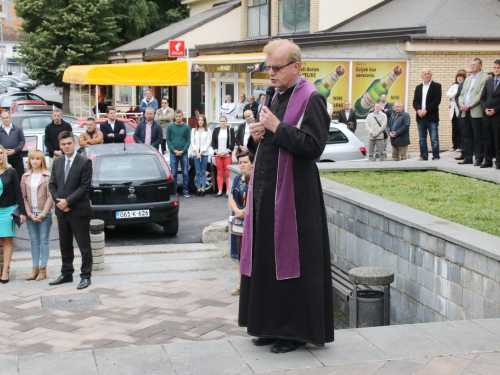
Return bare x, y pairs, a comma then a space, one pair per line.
258, 18
125, 95
294, 16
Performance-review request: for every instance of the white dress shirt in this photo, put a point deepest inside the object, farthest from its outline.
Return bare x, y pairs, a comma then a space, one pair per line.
425, 89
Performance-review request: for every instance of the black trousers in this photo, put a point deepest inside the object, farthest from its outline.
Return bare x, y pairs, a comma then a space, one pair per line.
491, 130
473, 138
79, 227
456, 138
18, 164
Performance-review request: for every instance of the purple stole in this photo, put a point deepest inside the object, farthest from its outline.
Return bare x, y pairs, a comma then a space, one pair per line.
286, 241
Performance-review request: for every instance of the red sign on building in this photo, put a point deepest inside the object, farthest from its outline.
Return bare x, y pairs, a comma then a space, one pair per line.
176, 48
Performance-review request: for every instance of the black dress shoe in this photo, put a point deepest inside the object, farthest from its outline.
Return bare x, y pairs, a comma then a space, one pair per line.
461, 157
83, 284
61, 280
285, 346
465, 162
498, 166
263, 341
486, 165
478, 163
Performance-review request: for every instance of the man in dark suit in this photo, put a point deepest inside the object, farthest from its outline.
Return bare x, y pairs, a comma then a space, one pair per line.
398, 128
252, 105
426, 103
348, 116
386, 107
490, 102
69, 187
113, 130
472, 114
243, 132
149, 131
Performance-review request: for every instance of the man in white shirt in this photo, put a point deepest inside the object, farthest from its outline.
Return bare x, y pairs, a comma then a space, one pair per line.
228, 108
426, 103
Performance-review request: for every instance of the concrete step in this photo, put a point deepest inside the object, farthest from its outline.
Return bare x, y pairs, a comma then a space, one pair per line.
144, 263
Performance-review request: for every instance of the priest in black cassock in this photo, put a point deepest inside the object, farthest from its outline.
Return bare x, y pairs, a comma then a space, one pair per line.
286, 286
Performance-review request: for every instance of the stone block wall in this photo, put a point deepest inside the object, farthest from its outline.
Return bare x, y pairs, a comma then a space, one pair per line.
443, 271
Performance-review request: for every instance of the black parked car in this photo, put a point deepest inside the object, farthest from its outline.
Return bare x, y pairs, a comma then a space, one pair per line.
132, 184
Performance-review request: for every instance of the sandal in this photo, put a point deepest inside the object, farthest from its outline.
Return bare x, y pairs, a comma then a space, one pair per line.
236, 292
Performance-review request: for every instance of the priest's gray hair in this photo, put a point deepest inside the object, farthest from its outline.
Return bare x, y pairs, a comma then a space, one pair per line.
294, 53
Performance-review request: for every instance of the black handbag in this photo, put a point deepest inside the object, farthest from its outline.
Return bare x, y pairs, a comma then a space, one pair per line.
16, 216
385, 131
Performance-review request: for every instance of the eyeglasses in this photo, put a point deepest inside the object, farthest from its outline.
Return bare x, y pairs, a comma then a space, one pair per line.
276, 68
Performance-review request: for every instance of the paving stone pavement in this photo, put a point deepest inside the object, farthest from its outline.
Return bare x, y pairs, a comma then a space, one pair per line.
167, 310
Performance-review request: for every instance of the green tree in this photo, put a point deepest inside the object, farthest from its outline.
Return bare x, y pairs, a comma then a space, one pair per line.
142, 17
61, 33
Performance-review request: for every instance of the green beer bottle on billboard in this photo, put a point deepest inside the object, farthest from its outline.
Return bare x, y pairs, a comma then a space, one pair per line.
367, 101
326, 84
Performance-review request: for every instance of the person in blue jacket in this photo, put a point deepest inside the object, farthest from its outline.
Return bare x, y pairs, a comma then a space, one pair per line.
148, 101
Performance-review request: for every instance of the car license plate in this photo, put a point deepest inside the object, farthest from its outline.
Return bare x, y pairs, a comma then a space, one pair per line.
132, 214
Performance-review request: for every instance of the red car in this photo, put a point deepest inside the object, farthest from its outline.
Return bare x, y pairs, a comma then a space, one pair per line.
130, 126
31, 105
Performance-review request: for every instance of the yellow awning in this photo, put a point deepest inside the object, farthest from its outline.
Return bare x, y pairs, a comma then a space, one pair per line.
164, 73
233, 63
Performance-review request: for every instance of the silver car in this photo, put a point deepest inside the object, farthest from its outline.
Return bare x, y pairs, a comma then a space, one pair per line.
342, 145
35, 140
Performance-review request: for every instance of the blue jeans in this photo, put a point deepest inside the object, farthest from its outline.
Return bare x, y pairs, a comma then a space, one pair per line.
174, 166
432, 127
200, 166
39, 234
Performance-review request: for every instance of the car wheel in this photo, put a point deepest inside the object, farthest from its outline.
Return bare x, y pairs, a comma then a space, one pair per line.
171, 227
210, 180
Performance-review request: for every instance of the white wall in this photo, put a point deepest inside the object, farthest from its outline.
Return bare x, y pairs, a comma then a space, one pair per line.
198, 6
222, 29
332, 12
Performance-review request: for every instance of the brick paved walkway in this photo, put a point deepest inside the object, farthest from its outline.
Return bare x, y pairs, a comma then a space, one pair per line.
131, 314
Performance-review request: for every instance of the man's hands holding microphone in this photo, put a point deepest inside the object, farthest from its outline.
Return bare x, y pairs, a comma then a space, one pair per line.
267, 121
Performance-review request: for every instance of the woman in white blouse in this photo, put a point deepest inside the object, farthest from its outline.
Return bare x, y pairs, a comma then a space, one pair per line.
223, 144
454, 110
201, 139
38, 203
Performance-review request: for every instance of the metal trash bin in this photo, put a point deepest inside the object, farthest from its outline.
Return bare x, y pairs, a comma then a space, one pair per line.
370, 308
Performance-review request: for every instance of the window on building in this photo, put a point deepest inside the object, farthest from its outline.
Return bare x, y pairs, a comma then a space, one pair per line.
258, 18
294, 16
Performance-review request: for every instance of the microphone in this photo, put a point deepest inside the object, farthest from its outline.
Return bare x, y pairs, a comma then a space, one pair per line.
269, 95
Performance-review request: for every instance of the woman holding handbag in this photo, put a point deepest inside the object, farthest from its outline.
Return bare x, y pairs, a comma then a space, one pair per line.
38, 203
237, 202
223, 144
201, 138
10, 194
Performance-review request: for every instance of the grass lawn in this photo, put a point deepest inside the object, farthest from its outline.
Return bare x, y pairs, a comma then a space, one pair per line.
463, 200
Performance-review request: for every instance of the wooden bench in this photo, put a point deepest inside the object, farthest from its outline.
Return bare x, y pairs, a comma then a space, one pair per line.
342, 287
